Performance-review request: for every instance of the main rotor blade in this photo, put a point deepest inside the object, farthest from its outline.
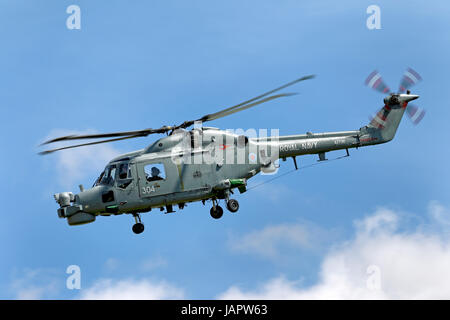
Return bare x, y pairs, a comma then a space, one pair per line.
142, 133
137, 133
87, 144
268, 92
227, 112
245, 105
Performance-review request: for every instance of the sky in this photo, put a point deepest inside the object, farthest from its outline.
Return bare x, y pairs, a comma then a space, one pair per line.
375, 225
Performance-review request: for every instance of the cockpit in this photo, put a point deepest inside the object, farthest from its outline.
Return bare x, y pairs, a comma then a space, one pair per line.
118, 174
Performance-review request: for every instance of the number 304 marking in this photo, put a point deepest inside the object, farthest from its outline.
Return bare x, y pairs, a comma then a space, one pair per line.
147, 190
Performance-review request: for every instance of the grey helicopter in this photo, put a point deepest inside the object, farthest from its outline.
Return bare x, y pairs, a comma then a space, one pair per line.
210, 164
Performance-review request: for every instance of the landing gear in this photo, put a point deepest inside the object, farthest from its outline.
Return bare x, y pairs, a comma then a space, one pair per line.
216, 210
138, 227
232, 205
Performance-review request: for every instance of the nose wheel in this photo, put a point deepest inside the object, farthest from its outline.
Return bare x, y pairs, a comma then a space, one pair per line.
138, 227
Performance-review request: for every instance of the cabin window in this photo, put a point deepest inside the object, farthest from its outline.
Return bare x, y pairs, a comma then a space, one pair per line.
155, 172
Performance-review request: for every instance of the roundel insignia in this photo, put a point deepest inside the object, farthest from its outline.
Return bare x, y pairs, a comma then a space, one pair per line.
252, 157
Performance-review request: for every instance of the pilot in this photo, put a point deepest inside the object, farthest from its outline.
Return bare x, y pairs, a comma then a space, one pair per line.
123, 171
155, 175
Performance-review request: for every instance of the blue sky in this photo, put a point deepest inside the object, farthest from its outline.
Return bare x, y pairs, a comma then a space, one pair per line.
145, 64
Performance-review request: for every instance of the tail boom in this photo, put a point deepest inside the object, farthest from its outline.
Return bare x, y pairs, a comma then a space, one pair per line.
381, 129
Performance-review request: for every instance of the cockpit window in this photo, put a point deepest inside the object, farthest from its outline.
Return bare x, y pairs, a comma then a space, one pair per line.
124, 175
107, 177
97, 182
120, 172
124, 171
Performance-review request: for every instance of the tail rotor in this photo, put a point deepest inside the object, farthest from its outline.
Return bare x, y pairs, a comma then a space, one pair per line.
409, 79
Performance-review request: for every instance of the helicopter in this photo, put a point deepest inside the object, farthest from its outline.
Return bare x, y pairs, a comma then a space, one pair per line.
210, 164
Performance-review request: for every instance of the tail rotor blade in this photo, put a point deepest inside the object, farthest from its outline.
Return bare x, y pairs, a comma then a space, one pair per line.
415, 113
375, 81
410, 78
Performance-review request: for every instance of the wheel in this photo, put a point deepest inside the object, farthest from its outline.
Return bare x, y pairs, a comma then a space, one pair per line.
138, 228
233, 205
217, 213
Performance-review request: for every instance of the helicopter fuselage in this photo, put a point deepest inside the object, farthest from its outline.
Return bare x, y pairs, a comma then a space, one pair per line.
197, 165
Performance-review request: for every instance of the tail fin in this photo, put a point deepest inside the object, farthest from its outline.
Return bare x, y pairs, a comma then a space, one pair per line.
387, 121
384, 124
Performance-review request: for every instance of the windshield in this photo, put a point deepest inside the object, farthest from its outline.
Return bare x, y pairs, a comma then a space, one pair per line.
107, 177
97, 182
120, 172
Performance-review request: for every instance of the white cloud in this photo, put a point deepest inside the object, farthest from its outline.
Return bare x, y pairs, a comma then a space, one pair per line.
34, 284
38, 284
146, 265
381, 261
271, 240
151, 264
439, 213
112, 264
269, 192
74, 165
130, 289
408, 265
382, 219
